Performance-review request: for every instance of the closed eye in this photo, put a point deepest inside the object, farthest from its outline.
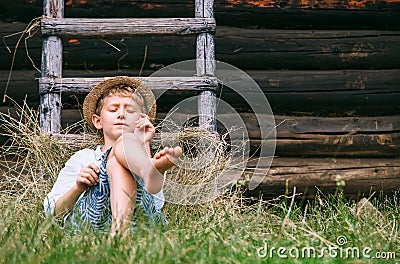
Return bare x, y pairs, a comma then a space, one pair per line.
131, 109
113, 109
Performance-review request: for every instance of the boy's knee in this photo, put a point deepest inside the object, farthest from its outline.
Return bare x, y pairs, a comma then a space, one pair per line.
119, 147
112, 164
114, 167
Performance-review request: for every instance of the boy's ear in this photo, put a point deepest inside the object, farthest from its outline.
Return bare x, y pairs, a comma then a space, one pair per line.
96, 121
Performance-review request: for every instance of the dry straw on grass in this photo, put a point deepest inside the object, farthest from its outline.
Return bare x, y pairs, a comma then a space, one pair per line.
195, 179
205, 155
30, 160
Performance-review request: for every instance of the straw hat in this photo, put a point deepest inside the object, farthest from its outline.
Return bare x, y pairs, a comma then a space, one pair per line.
90, 103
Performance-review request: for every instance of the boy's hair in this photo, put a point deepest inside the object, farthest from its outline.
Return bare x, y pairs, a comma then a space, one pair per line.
124, 91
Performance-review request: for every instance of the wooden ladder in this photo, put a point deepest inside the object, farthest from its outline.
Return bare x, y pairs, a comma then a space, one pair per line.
54, 27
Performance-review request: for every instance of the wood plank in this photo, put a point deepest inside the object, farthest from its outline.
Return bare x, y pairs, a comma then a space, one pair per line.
290, 126
303, 81
336, 103
365, 146
309, 49
302, 126
340, 14
361, 176
161, 84
326, 93
247, 49
124, 27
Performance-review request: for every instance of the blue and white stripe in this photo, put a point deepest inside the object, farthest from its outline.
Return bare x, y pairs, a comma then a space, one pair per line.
94, 206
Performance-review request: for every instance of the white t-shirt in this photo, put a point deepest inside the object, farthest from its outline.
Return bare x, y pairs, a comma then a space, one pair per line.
67, 178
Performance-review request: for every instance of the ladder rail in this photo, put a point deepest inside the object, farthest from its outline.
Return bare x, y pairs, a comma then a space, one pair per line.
50, 103
205, 66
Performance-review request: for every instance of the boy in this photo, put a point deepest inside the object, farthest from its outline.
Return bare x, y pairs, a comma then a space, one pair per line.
103, 187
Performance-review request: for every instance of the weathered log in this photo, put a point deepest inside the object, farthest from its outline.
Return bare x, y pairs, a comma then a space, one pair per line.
364, 146
243, 48
270, 14
335, 103
362, 177
322, 136
310, 93
124, 27
278, 49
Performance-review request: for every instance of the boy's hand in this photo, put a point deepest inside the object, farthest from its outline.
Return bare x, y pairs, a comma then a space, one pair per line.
88, 176
144, 129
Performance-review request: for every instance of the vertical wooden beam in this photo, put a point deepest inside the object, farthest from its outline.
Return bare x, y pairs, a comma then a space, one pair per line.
205, 65
50, 103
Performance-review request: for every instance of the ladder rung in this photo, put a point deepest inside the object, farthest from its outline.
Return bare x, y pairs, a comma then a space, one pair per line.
85, 85
91, 27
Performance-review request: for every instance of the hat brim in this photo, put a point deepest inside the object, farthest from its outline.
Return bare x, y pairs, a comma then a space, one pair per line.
91, 99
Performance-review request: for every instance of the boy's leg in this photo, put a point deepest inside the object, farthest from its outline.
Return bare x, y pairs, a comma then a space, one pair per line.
131, 153
123, 188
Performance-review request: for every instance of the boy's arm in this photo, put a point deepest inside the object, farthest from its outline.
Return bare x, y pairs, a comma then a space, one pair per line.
145, 130
65, 203
88, 176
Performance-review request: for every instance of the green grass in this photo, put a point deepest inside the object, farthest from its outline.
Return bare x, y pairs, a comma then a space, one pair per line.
229, 230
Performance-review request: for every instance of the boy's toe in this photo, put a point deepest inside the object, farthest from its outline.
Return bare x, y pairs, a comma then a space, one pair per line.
177, 151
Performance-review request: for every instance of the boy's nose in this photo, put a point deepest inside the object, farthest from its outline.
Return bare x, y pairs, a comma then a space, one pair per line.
121, 113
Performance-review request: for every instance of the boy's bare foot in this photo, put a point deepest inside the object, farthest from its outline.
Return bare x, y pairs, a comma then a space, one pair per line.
166, 158
132, 155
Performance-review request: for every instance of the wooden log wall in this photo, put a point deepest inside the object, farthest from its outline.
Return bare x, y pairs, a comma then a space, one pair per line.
337, 14
330, 70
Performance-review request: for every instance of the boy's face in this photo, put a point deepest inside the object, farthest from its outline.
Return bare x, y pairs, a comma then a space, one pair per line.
118, 115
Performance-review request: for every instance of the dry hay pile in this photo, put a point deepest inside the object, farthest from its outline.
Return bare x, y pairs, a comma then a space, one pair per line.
30, 161
200, 174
